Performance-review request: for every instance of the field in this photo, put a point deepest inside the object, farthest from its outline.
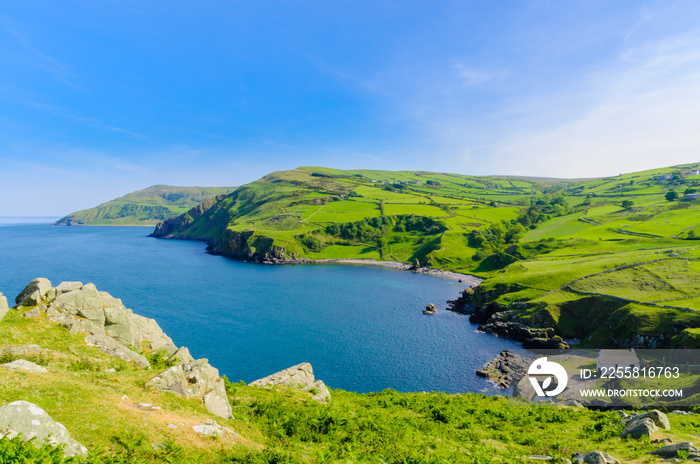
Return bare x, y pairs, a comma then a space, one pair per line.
549, 243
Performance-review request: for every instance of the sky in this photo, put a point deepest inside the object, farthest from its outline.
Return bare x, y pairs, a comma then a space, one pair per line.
98, 99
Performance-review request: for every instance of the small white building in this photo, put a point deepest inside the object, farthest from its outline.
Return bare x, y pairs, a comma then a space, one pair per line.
694, 172
691, 196
612, 359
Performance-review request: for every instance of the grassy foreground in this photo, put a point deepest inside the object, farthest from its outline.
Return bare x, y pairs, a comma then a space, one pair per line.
284, 425
611, 261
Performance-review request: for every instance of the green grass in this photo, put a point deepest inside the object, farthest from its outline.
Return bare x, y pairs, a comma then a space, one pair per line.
582, 230
283, 425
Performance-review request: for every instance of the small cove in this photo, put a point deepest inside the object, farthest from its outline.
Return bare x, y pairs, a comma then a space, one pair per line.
361, 327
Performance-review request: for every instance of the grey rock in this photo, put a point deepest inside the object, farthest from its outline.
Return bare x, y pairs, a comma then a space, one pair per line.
639, 428
430, 309
299, 376
23, 350
659, 418
172, 426
595, 457
24, 365
113, 348
65, 287
3, 306
212, 429
34, 292
30, 421
148, 332
671, 451
181, 356
677, 411
171, 380
34, 312
195, 380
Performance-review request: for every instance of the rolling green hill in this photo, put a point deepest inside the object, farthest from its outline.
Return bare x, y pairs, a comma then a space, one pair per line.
144, 207
612, 261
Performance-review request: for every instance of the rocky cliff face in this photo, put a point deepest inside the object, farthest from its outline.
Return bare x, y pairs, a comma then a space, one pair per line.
117, 331
175, 226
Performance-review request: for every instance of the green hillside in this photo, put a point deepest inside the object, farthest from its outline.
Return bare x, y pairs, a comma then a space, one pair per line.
611, 260
144, 207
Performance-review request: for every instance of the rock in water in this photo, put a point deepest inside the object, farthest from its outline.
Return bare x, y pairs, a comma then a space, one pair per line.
197, 379
30, 421
3, 306
430, 309
299, 376
34, 292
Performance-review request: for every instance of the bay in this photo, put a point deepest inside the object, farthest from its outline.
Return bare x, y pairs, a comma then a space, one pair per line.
361, 327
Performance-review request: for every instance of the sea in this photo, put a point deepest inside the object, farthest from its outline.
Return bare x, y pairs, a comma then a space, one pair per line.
361, 327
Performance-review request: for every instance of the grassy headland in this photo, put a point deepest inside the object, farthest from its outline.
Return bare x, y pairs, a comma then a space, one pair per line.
144, 207
612, 261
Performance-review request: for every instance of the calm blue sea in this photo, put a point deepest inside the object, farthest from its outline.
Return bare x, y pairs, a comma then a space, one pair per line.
361, 327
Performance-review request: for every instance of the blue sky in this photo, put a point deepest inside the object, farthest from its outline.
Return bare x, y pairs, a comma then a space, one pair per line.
98, 99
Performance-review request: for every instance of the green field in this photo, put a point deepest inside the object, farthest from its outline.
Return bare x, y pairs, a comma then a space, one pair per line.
549, 243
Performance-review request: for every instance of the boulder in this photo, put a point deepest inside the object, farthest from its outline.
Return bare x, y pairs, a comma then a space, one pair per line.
34, 292
197, 379
181, 356
659, 418
34, 312
637, 429
30, 421
3, 306
299, 376
595, 457
111, 347
24, 365
639, 425
65, 287
671, 451
430, 309
212, 429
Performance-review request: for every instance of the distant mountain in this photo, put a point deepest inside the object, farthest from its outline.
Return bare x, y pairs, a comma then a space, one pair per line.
144, 207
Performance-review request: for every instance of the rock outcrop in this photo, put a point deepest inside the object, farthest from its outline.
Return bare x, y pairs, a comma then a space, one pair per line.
430, 309
506, 369
595, 457
643, 425
671, 451
107, 324
34, 292
3, 306
30, 421
299, 376
24, 365
195, 379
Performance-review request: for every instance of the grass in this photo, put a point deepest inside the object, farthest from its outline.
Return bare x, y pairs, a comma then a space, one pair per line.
144, 207
529, 238
283, 425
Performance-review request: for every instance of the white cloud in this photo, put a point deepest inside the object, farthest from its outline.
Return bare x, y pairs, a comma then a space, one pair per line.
642, 114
